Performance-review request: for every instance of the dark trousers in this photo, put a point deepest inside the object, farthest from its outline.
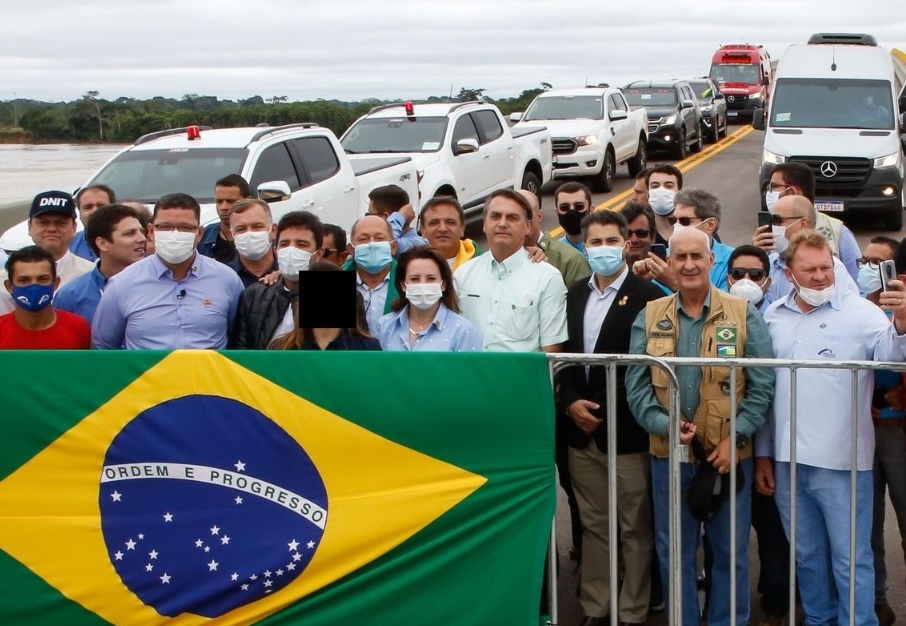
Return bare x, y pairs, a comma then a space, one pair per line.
773, 554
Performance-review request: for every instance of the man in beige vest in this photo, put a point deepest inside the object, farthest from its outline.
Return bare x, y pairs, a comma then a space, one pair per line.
700, 320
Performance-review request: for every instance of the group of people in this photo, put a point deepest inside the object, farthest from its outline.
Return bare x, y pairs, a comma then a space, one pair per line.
652, 278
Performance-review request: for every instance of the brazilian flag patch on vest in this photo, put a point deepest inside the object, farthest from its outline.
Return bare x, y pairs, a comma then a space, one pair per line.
726, 341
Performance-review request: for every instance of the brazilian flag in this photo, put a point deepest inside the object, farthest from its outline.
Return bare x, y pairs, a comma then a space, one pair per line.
290, 488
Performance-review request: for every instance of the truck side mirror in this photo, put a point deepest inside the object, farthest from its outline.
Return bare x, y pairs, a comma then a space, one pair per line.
687, 104
465, 146
515, 117
719, 96
274, 191
758, 119
618, 114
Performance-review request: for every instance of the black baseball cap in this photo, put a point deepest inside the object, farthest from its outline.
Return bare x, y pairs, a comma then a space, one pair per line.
53, 202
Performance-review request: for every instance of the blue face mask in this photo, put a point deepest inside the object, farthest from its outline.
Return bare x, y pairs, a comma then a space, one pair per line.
33, 297
373, 257
869, 278
605, 260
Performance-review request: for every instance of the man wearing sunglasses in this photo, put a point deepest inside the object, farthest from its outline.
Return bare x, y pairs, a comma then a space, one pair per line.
749, 275
573, 202
696, 208
640, 220
796, 179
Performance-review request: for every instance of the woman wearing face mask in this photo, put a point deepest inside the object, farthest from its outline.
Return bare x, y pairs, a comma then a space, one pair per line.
356, 338
425, 318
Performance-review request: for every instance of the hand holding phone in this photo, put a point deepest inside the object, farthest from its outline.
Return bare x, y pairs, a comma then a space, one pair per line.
659, 250
888, 271
765, 218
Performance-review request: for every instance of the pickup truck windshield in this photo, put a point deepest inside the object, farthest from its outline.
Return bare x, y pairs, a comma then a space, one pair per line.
650, 97
395, 134
832, 103
146, 175
566, 108
735, 73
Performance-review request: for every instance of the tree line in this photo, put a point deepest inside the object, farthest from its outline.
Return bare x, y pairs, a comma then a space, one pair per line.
92, 118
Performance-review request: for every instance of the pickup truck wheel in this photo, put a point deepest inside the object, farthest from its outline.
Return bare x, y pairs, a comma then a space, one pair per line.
681, 145
714, 134
604, 180
639, 162
697, 146
531, 183
894, 221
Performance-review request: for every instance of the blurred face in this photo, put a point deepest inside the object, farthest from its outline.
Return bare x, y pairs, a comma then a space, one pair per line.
423, 271
53, 232
691, 261
182, 220
812, 268
297, 237
225, 198
331, 252
640, 239
505, 226
639, 191
662, 179
126, 245
748, 266
89, 201
253, 219
443, 229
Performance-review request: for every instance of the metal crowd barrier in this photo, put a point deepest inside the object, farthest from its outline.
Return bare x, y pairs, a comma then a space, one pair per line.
558, 362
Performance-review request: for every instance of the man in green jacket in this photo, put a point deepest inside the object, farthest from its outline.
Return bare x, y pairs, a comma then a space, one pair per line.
571, 263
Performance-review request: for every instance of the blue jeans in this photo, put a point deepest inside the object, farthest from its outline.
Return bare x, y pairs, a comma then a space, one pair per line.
822, 542
719, 536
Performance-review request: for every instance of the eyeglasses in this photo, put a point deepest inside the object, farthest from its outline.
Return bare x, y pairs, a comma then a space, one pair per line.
576, 206
685, 221
169, 228
779, 187
331, 250
873, 263
778, 220
755, 273
641, 233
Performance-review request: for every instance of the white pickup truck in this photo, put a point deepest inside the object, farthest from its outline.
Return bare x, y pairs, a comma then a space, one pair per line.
464, 150
593, 131
297, 166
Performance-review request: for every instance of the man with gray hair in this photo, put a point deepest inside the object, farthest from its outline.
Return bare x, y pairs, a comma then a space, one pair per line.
696, 208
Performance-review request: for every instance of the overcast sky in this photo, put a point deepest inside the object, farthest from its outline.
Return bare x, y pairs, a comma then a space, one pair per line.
352, 49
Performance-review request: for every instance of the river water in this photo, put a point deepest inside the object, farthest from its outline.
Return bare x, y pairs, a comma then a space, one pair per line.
29, 169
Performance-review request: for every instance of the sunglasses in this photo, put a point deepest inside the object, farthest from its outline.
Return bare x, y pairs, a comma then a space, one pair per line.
641, 233
684, 221
755, 273
576, 206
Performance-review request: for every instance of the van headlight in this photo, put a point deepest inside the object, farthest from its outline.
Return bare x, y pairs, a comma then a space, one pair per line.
887, 161
770, 157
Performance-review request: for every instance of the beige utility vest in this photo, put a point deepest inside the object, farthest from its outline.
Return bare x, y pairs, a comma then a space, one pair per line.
723, 335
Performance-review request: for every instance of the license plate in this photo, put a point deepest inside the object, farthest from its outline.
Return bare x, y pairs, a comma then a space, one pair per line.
732, 113
829, 207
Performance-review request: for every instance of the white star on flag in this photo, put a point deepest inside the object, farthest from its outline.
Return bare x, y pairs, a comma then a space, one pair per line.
118, 555
268, 583
297, 557
130, 545
291, 566
141, 536
153, 554
245, 587
149, 567
238, 499
225, 539
165, 579
293, 545
279, 572
310, 545
240, 466
235, 576
212, 566
168, 517
267, 573
215, 530
207, 548
117, 496
253, 577
199, 543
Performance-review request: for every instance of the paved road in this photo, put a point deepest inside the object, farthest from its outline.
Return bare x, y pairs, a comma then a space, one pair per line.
730, 170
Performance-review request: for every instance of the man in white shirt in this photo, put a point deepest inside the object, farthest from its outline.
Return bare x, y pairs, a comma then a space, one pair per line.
516, 305
813, 322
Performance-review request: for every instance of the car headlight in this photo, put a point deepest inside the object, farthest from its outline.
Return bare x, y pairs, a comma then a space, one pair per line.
587, 140
887, 161
669, 119
708, 110
769, 157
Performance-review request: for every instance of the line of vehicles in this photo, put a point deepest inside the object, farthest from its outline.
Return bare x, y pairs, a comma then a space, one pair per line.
833, 104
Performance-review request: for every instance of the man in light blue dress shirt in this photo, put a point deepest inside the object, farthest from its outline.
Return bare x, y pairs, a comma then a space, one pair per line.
174, 299
818, 321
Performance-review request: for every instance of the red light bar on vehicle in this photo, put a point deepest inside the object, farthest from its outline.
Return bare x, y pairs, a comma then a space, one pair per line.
734, 59
410, 108
193, 132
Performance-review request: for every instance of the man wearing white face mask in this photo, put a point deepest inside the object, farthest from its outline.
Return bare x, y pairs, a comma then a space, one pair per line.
173, 299
748, 275
253, 229
265, 312
792, 214
818, 321
371, 250
663, 183
599, 314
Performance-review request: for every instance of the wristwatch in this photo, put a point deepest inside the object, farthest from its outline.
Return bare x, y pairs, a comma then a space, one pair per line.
742, 441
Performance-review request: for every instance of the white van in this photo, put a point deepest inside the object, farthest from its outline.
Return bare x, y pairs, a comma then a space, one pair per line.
834, 108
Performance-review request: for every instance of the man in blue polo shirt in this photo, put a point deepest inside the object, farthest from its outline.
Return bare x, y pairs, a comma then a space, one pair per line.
89, 200
116, 237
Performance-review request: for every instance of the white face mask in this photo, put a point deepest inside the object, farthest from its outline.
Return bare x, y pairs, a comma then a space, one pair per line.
291, 261
771, 198
174, 246
815, 297
253, 245
780, 241
423, 295
661, 200
748, 289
